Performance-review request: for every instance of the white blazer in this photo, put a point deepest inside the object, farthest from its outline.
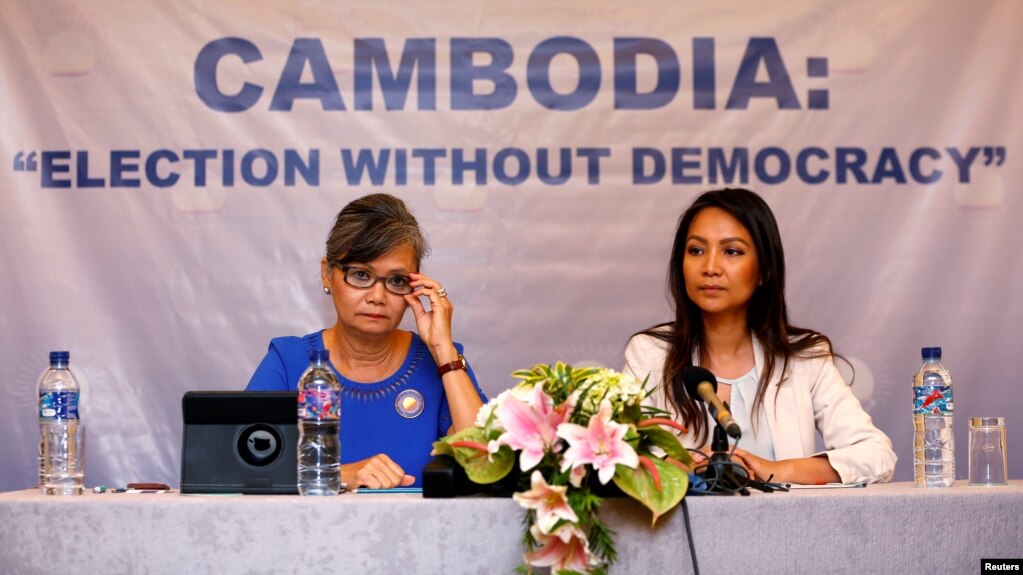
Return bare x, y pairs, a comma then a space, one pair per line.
813, 398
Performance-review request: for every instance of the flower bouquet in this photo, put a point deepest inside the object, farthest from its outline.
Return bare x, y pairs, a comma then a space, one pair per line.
570, 431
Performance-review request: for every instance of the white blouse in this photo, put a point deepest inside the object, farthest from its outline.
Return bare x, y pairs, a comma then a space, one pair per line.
744, 391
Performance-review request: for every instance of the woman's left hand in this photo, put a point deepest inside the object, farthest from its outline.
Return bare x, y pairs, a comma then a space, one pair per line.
434, 326
755, 467
814, 470
758, 467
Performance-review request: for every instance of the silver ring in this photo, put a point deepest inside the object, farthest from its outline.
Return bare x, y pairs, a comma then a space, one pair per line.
441, 292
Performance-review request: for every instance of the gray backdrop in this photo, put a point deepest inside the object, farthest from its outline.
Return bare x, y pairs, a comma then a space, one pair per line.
159, 285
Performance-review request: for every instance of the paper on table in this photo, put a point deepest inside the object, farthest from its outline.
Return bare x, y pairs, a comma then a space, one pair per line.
390, 490
823, 485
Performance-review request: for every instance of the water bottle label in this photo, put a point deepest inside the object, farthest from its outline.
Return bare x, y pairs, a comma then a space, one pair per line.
932, 399
58, 405
318, 405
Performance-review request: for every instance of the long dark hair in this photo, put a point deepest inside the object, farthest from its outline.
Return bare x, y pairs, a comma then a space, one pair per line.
767, 314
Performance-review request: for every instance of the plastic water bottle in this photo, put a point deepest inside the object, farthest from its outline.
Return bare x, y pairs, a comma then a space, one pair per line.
61, 463
934, 462
319, 419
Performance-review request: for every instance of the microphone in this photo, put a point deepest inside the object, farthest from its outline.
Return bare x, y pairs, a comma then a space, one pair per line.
702, 385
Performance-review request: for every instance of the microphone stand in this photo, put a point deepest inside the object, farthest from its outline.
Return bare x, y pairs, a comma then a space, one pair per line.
720, 471
725, 475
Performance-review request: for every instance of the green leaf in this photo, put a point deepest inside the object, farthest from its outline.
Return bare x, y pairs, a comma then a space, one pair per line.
667, 441
631, 413
524, 374
602, 543
442, 448
478, 466
581, 374
582, 401
639, 484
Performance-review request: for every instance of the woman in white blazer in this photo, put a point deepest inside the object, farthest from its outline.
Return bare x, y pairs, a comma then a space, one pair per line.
727, 279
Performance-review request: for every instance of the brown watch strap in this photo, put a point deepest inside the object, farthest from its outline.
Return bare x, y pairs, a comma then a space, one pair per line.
459, 363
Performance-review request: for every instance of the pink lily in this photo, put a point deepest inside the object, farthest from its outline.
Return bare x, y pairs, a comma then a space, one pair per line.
575, 478
529, 427
600, 444
565, 550
550, 502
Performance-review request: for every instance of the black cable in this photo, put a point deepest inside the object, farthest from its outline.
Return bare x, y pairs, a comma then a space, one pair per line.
721, 474
731, 452
724, 477
689, 537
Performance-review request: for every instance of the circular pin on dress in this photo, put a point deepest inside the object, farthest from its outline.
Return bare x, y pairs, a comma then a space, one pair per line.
409, 403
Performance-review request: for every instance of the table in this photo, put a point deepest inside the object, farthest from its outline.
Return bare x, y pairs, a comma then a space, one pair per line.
895, 528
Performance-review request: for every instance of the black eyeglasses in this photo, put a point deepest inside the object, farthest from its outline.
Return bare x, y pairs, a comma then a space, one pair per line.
364, 279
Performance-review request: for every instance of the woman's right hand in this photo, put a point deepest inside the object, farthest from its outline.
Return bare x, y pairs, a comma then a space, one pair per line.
377, 472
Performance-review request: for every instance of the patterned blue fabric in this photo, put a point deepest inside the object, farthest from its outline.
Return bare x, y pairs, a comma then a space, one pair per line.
370, 420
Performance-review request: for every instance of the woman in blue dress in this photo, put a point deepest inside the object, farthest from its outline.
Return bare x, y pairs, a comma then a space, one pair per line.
401, 391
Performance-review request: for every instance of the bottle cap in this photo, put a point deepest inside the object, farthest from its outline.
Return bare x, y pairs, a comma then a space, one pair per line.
319, 356
60, 357
930, 353
987, 422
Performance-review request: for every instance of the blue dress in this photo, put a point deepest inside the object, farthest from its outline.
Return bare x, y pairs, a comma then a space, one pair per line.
400, 416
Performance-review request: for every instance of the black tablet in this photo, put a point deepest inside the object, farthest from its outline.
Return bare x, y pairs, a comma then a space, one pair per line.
239, 442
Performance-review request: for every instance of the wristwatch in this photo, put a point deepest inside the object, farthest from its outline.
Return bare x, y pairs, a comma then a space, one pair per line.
459, 363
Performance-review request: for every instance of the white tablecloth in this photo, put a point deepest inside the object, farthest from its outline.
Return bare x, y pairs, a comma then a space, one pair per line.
894, 528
